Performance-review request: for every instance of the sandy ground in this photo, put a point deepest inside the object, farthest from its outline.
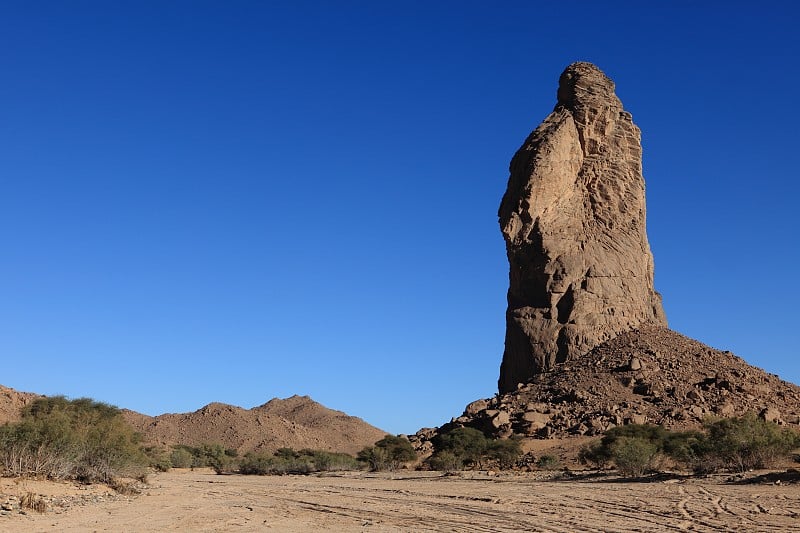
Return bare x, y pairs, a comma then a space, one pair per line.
202, 501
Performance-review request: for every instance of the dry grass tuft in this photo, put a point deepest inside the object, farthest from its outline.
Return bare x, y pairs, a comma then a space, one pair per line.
34, 502
126, 488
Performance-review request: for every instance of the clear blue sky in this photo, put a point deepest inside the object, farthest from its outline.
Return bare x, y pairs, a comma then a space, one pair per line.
233, 201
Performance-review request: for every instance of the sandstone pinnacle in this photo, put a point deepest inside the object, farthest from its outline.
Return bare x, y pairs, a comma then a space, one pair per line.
573, 218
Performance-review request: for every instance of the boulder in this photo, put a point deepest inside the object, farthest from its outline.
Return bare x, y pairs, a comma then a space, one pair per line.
476, 407
536, 420
502, 418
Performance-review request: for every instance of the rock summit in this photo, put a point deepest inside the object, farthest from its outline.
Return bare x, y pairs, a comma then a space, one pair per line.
573, 219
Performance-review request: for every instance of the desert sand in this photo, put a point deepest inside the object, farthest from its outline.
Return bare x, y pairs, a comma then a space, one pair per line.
183, 500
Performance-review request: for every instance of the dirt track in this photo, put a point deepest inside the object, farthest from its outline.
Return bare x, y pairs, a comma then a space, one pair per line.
203, 501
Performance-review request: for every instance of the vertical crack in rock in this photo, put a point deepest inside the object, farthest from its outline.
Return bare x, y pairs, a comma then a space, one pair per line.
573, 218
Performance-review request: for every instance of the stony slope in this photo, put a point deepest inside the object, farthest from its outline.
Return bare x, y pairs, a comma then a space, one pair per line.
11, 401
297, 422
651, 374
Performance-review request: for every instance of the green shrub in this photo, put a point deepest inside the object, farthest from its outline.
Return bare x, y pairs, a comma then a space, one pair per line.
286, 453
220, 459
289, 461
398, 448
80, 439
333, 461
468, 444
320, 461
257, 464
648, 432
724, 444
548, 462
684, 447
262, 464
504, 452
283, 461
595, 454
376, 459
634, 456
746, 442
632, 448
388, 453
296, 466
215, 456
158, 458
446, 461
181, 458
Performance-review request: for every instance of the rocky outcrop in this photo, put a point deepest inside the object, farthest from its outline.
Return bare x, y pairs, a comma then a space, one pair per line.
647, 375
573, 218
587, 347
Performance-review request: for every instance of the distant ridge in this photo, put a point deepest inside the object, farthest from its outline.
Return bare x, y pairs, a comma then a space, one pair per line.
297, 422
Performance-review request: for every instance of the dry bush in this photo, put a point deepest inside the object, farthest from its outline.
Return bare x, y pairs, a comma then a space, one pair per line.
125, 487
34, 502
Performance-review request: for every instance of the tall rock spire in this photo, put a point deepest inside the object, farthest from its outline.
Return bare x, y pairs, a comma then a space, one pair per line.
573, 218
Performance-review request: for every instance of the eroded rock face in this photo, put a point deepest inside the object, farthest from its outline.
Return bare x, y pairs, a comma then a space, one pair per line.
573, 218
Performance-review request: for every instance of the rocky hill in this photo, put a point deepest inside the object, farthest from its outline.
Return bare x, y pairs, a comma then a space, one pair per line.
651, 374
297, 422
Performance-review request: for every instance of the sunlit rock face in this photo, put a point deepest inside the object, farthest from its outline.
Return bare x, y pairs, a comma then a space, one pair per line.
573, 218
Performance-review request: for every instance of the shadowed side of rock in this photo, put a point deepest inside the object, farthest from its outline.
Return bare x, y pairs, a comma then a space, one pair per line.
573, 218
